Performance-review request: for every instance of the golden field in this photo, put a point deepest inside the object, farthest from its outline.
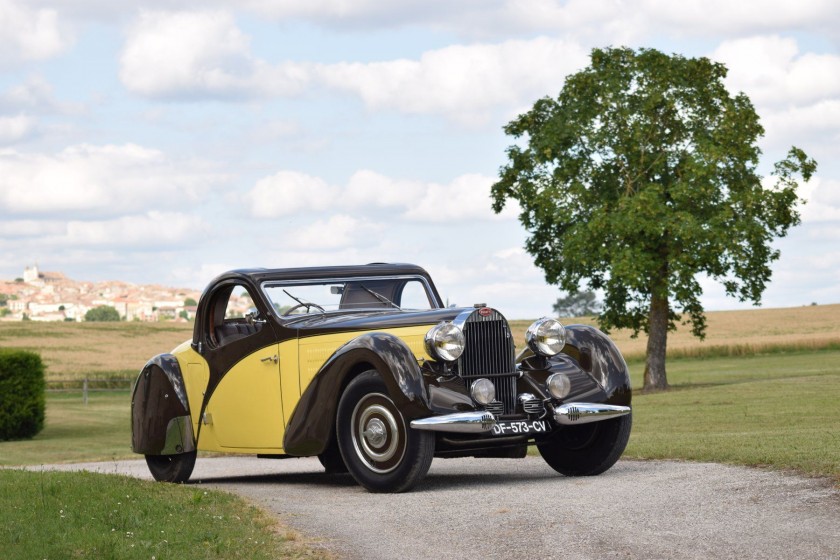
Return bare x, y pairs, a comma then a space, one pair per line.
735, 333
94, 350
119, 350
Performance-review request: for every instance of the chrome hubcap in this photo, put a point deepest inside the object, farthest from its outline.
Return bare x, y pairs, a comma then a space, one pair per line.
377, 433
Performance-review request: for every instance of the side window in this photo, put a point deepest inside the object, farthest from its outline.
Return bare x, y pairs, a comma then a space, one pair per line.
414, 296
232, 316
239, 304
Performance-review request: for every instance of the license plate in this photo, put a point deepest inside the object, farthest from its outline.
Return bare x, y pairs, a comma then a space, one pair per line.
516, 427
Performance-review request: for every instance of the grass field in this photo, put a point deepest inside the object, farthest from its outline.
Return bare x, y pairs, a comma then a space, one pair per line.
85, 515
778, 410
75, 432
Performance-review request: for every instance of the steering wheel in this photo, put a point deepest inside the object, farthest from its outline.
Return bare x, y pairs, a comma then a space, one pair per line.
307, 305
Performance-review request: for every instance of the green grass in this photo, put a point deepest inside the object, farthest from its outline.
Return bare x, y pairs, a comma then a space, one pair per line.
86, 515
777, 410
77, 432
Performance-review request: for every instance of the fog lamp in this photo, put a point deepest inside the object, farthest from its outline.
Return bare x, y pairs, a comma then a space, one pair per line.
558, 385
483, 391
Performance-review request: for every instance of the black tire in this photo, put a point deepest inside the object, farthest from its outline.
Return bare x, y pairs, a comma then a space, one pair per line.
378, 446
171, 468
588, 449
331, 459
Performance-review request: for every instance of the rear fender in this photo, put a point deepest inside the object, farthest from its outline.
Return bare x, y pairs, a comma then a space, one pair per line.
160, 412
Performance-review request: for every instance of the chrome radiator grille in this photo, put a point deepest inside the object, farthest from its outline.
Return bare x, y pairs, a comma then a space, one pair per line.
489, 352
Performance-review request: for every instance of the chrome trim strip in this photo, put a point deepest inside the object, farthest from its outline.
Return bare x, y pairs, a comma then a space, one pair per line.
582, 413
459, 422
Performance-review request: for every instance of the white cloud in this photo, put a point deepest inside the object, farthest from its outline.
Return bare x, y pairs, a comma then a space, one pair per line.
199, 54
204, 54
14, 129
822, 198
461, 82
466, 198
35, 95
724, 16
19, 229
289, 193
370, 189
772, 71
337, 232
29, 34
816, 125
98, 180
151, 229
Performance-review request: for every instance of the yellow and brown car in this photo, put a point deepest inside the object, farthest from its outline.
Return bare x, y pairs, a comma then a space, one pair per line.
365, 368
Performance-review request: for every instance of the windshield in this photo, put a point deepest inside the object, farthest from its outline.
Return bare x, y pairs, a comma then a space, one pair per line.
324, 296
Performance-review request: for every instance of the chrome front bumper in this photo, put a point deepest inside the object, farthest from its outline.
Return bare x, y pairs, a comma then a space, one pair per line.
481, 421
582, 413
461, 422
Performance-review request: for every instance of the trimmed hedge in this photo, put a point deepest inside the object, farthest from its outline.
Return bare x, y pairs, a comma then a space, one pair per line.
22, 400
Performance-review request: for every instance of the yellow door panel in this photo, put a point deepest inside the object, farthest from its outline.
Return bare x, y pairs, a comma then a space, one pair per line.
246, 409
316, 350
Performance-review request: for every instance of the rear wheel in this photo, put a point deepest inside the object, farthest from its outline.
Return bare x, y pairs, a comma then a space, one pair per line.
379, 448
588, 449
171, 468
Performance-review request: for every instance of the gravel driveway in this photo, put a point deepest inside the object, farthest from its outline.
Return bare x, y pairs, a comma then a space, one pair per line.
503, 508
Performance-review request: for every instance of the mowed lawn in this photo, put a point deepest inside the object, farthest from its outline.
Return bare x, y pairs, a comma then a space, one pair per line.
778, 410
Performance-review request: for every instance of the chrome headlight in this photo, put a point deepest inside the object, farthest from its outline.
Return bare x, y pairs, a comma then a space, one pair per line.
546, 336
483, 391
445, 341
558, 385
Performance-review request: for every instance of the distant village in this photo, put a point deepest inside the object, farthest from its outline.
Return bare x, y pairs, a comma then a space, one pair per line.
50, 296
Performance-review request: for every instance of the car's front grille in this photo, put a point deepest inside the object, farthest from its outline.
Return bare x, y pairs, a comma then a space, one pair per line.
489, 352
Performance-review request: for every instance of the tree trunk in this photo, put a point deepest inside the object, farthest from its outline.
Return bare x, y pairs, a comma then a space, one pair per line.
655, 378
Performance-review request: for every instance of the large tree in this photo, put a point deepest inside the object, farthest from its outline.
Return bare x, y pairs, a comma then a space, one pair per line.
577, 304
640, 178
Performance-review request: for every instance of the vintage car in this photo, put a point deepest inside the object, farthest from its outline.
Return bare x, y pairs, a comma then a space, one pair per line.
365, 368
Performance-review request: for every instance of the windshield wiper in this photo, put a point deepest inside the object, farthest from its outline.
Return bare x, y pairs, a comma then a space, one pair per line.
303, 303
380, 297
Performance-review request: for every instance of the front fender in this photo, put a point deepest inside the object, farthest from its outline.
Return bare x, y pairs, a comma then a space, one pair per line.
598, 355
312, 422
160, 412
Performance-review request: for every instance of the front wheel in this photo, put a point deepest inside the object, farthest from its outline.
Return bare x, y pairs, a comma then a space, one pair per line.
171, 468
379, 448
588, 449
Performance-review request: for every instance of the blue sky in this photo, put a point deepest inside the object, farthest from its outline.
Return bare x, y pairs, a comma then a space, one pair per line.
168, 141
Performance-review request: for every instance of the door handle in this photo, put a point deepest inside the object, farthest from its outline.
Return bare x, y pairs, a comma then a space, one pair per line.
270, 359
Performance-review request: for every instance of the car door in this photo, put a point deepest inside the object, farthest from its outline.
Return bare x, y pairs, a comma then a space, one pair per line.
244, 404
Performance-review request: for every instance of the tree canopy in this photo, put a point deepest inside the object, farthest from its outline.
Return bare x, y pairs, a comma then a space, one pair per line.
640, 178
102, 313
